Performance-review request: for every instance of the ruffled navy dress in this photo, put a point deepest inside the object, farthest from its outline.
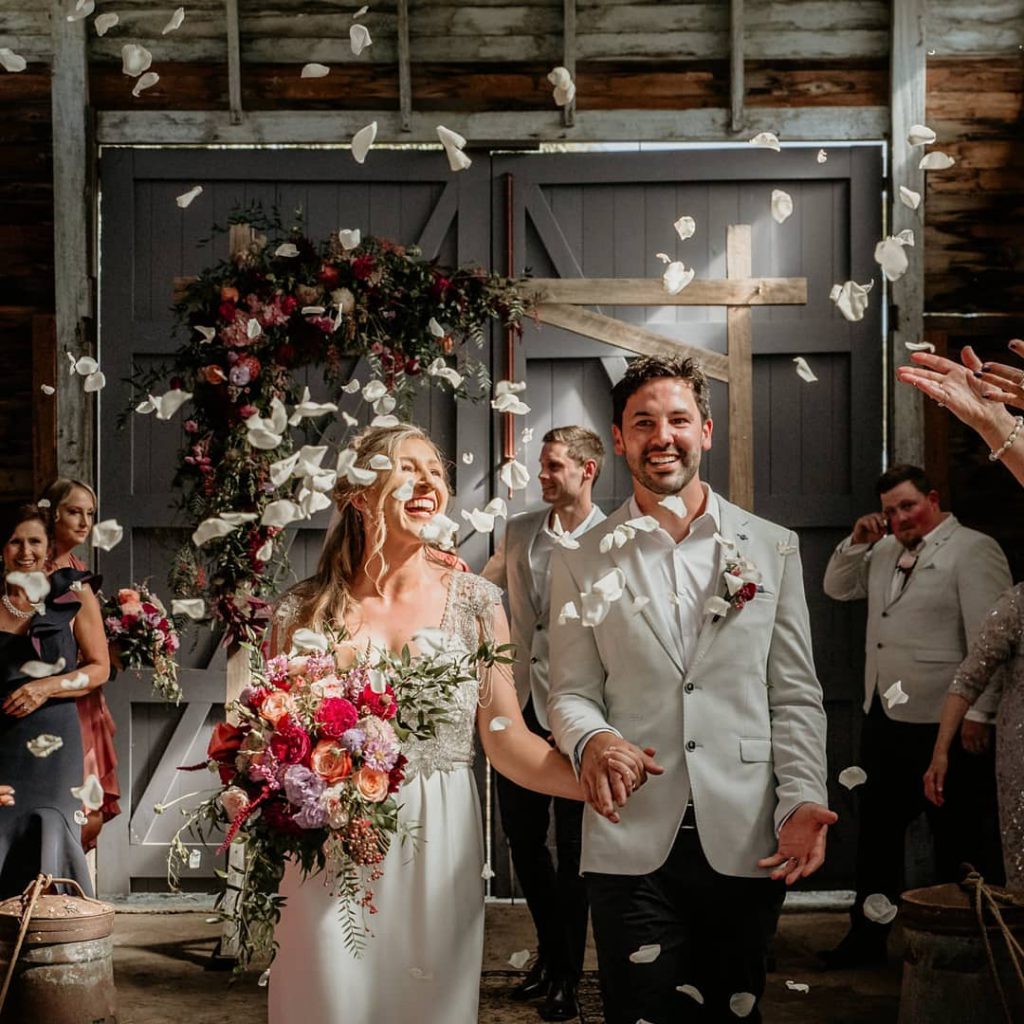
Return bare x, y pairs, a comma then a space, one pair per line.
39, 834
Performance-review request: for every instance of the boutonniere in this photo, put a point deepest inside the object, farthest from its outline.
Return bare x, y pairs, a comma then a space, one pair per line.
742, 579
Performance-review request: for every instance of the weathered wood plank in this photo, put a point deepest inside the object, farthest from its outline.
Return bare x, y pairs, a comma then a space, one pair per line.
234, 61
44, 407
739, 328
404, 69
628, 336
967, 27
641, 291
737, 88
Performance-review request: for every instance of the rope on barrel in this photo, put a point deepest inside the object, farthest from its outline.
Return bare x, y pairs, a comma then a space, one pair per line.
28, 900
984, 897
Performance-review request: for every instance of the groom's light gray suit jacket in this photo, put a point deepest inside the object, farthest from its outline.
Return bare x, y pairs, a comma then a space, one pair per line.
741, 726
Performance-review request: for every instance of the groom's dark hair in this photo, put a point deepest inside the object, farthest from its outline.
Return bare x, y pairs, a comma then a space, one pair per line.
646, 368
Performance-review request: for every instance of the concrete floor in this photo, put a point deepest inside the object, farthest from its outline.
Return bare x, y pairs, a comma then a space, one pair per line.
159, 963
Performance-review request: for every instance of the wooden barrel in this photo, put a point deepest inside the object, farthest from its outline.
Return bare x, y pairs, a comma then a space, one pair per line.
64, 972
946, 973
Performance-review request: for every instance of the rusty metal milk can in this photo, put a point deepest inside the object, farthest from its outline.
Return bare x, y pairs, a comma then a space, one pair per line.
56, 957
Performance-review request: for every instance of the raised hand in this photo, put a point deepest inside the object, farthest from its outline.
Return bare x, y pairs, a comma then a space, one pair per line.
869, 529
801, 849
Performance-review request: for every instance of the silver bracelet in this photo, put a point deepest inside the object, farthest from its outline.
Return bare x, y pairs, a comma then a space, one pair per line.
998, 453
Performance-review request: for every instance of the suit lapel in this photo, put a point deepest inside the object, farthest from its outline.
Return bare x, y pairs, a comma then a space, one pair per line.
927, 556
530, 531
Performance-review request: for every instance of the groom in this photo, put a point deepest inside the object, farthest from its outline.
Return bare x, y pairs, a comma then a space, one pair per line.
689, 658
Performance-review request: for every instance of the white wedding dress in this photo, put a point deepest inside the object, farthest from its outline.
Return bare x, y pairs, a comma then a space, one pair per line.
423, 960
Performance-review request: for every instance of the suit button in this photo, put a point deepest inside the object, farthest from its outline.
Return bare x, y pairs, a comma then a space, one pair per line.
688, 687
540, 626
880, 646
885, 615
533, 661
690, 745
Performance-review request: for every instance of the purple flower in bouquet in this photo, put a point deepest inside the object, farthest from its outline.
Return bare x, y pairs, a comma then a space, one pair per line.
318, 666
380, 751
303, 787
239, 375
352, 740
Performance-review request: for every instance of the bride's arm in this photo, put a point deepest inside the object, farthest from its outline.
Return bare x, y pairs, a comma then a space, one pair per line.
520, 755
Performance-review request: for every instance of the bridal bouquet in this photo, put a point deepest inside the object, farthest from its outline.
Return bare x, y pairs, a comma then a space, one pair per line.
312, 769
143, 635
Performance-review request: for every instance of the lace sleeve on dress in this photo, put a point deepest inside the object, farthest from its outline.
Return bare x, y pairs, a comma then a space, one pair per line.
996, 643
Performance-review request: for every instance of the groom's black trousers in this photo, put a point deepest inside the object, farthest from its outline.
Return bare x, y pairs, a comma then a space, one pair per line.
713, 931
556, 896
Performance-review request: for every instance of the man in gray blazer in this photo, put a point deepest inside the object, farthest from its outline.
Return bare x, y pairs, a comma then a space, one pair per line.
681, 648
570, 463
929, 582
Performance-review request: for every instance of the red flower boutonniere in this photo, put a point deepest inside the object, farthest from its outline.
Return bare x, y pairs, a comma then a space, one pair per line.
742, 579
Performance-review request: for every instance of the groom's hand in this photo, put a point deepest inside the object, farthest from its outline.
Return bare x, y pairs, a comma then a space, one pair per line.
801, 843
611, 768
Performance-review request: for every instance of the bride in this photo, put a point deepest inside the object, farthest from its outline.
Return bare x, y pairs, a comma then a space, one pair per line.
378, 580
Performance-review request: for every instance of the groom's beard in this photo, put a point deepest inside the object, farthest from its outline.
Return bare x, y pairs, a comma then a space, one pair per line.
665, 483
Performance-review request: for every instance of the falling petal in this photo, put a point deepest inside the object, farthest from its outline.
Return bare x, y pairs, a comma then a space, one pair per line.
135, 59
527, 435
797, 986
920, 135
350, 239
315, 70
786, 549
42, 669
349, 419
359, 37
803, 371
851, 299
90, 793
193, 607
435, 328
176, 21
499, 724
94, 382
80, 817
480, 521
510, 404
768, 140
84, 366
44, 745
11, 61
742, 1003
405, 492
467, 458
384, 405
906, 236
440, 369
185, 200
506, 387
362, 10
453, 144
879, 908
374, 391
822, 156
45, 503
852, 777
514, 475
287, 250
895, 695
685, 227
646, 954
520, 959
919, 346
281, 512
362, 141
104, 23
385, 421
908, 197
936, 161
440, 532
264, 979
569, 613
381, 462
487, 873
563, 86
265, 550
47, 389
716, 606
676, 277
107, 534
692, 992
166, 405
79, 681
211, 529
674, 504
82, 10
253, 329
208, 333
782, 206
351, 387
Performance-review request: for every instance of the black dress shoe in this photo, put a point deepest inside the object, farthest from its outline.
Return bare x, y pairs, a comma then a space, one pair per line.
860, 947
561, 1002
535, 985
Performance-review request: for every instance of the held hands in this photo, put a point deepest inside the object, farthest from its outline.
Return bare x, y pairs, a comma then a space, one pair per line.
27, 698
869, 529
801, 849
611, 769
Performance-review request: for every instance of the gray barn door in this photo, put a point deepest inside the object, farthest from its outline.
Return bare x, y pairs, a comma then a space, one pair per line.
817, 447
147, 242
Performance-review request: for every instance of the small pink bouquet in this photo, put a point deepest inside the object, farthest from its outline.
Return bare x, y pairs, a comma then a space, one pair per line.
142, 635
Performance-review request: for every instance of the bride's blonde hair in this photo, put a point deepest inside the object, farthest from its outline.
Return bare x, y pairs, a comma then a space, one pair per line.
327, 595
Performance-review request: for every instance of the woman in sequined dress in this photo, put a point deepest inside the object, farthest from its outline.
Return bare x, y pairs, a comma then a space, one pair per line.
999, 644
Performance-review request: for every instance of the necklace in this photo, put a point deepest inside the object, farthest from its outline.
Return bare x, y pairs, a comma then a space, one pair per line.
14, 610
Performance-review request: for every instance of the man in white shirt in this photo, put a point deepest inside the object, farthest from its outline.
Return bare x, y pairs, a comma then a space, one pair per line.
680, 648
929, 582
570, 463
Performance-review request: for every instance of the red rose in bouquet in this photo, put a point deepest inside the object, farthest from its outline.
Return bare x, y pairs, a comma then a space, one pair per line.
225, 742
381, 705
335, 716
290, 743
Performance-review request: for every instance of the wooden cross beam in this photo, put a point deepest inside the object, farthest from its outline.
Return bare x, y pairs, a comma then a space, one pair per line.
560, 302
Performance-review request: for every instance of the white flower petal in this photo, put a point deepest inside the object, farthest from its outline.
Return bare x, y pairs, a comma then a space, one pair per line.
510, 404
381, 462
919, 346
11, 61
685, 227
350, 238
265, 550
36, 585
362, 10
351, 387
42, 669
208, 333
264, 979
782, 206
107, 534
641, 602
135, 59
47, 389
211, 529
440, 531
786, 549
185, 200
309, 641
193, 607
94, 382
467, 458
90, 793
453, 143
822, 156
82, 10
384, 405
79, 681
607, 543
104, 23
851, 299
646, 954
499, 723
611, 585
520, 959
238, 518
287, 250
676, 277
803, 371
879, 908
526, 436
44, 744
767, 140
147, 81
797, 986
253, 329
349, 419
480, 521
509, 387
936, 161
514, 475
852, 777
282, 512
568, 613
177, 18
359, 38
920, 135
281, 470
716, 606
405, 492
487, 873
168, 404
384, 421
742, 1003
314, 70
564, 87
895, 695
84, 367
645, 524
906, 237
497, 507
435, 328
362, 141
674, 504
374, 391
265, 440
908, 197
